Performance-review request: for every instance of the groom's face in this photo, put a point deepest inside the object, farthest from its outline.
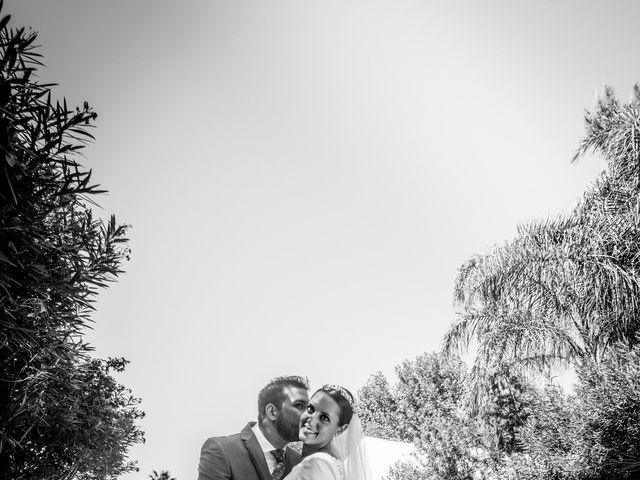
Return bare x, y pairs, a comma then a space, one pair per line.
288, 421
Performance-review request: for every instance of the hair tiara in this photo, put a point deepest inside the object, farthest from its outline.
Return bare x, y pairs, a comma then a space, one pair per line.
343, 392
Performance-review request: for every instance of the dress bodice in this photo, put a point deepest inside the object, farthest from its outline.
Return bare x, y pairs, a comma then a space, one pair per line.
318, 466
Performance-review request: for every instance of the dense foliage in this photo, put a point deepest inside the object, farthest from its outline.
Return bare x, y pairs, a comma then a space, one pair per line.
593, 434
61, 412
609, 398
427, 407
378, 409
564, 291
427, 385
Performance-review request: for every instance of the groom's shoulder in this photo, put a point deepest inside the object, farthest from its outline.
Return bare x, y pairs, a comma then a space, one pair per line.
230, 439
219, 454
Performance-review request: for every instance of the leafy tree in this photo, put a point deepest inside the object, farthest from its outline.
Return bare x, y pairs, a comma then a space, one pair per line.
430, 383
377, 407
412, 470
62, 415
426, 408
563, 290
593, 434
87, 424
456, 446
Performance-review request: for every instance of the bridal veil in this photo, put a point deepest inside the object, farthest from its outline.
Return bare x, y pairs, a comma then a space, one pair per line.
350, 447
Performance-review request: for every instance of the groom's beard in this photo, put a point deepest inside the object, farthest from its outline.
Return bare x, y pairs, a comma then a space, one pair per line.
286, 429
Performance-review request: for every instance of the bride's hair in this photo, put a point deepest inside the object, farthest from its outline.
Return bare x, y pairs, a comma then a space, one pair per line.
343, 398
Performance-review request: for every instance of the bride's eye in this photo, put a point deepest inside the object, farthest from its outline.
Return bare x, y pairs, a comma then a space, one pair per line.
325, 418
310, 409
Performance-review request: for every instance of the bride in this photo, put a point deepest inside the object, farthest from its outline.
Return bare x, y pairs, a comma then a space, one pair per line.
332, 437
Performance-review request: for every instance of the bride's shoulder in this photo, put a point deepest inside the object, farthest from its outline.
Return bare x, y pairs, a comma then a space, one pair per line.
322, 464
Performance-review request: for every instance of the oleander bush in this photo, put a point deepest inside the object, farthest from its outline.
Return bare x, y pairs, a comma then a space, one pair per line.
62, 414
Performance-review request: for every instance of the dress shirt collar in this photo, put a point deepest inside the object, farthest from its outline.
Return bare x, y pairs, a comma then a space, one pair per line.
265, 445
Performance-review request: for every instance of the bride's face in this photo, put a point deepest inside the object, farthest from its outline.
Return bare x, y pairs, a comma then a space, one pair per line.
320, 421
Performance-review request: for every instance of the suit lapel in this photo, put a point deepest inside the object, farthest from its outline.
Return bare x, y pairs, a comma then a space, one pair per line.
255, 452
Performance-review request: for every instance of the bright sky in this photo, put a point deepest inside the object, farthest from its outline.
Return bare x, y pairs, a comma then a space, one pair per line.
304, 178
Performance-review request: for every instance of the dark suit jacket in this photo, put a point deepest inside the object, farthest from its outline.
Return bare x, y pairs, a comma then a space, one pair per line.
238, 457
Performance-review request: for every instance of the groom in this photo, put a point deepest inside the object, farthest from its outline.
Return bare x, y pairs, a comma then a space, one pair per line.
258, 452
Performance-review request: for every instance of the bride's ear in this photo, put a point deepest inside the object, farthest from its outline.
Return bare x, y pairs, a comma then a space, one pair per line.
341, 429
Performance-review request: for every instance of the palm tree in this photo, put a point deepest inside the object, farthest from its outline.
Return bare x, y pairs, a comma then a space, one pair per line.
163, 475
563, 290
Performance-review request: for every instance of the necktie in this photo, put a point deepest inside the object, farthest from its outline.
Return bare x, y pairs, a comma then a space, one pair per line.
278, 471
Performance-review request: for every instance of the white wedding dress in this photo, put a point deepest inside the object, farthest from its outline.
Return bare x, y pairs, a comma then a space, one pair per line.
317, 466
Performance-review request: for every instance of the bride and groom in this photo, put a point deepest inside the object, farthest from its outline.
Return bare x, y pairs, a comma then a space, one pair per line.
326, 424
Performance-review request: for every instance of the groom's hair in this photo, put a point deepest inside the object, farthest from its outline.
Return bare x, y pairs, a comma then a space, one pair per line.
273, 392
